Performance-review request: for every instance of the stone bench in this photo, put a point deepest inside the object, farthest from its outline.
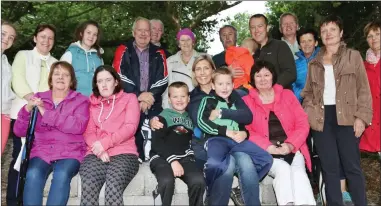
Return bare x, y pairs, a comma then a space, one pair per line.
139, 191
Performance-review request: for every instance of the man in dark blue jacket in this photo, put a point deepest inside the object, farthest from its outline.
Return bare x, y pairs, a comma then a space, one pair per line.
143, 71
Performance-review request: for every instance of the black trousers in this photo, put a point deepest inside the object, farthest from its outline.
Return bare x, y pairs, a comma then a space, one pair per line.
143, 142
193, 177
338, 146
12, 173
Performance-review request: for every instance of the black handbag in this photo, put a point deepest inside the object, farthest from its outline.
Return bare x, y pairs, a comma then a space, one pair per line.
277, 137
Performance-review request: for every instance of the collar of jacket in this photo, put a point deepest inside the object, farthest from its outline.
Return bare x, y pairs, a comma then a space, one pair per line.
151, 47
320, 55
301, 55
254, 93
231, 100
48, 96
269, 40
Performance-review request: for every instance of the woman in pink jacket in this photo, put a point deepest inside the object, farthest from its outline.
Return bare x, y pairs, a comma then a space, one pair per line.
281, 127
111, 152
58, 146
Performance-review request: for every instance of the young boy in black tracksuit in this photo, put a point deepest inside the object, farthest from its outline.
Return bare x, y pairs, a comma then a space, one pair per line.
171, 154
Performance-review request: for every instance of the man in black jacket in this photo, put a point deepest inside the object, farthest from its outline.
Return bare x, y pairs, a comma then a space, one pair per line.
275, 51
143, 71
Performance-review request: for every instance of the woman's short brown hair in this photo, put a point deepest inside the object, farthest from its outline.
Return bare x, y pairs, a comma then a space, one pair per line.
68, 67
113, 73
42, 27
372, 26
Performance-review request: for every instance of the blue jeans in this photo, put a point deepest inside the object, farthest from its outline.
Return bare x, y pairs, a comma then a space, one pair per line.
239, 163
38, 171
220, 193
223, 184
247, 177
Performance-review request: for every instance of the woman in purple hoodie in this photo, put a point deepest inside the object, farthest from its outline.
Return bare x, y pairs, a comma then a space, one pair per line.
59, 145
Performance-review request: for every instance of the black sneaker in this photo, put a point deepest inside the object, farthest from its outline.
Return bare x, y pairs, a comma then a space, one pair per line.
236, 196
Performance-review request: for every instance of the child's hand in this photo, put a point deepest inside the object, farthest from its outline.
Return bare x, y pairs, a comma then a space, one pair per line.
239, 136
177, 169
230, 133
214, 114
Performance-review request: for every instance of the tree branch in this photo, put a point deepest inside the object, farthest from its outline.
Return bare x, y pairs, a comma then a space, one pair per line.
203, 15
81, 13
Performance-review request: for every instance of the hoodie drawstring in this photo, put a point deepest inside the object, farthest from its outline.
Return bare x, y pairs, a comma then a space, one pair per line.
87, 60
112, 108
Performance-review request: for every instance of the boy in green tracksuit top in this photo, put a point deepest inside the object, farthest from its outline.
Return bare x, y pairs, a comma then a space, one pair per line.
225, 137
171, 155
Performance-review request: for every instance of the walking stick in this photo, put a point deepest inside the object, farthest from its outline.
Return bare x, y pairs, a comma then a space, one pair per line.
25, 156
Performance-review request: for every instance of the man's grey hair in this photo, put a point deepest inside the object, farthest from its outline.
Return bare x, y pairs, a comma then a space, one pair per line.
234, 29
158, 20
288, 14
139, 19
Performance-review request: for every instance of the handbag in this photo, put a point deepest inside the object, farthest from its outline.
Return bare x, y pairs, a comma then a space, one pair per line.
277, 137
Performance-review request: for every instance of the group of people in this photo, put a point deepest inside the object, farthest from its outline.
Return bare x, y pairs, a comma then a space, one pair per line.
248, 111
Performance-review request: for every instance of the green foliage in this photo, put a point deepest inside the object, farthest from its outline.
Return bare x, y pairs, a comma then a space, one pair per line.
115, 18
355, 15
241, 23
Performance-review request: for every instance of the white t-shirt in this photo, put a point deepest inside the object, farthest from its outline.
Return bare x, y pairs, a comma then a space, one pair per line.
329, 96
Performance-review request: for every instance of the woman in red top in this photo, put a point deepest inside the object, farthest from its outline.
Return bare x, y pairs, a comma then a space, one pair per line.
370, 141
281, 127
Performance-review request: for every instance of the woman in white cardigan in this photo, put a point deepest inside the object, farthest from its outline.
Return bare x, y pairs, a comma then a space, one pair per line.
8, 35
180, 64
30, 70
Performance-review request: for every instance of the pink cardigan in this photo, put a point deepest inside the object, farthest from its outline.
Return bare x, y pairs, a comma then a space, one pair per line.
290, 114
116, 133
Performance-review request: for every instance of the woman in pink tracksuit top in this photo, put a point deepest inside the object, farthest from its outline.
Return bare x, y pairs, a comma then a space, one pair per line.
111, 156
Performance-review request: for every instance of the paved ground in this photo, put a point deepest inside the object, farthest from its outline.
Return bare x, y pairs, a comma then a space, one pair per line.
370, 165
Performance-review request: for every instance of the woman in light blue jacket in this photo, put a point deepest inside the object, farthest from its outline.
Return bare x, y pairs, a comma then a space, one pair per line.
85, 55
308, 41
